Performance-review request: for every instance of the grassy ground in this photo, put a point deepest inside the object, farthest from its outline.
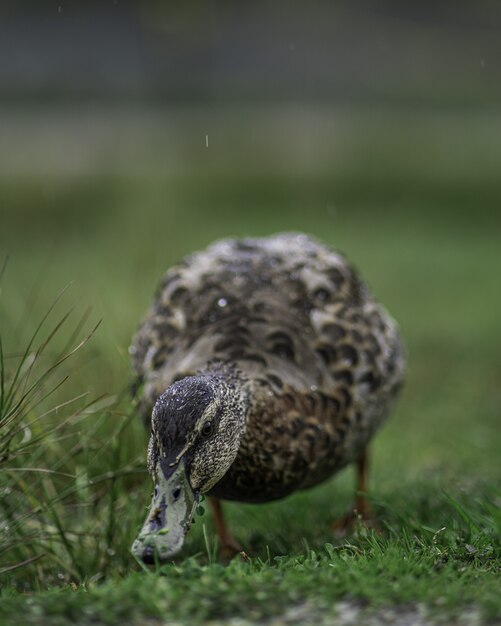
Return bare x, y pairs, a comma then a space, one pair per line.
418, 211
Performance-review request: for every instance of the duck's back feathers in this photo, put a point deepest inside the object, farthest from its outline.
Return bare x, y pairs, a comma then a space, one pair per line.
320, 354
285, 306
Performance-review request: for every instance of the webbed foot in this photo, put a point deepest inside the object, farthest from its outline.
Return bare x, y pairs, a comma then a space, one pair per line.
354, 519
229, 550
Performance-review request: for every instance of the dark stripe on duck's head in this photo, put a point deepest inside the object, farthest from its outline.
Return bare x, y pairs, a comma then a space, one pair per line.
179, 408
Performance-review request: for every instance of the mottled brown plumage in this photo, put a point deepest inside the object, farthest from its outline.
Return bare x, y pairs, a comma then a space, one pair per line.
290, 325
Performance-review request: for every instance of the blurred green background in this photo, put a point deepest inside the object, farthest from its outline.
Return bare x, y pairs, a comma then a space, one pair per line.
130, 137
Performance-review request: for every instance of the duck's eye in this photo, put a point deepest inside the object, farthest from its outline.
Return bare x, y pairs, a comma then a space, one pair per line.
207, 429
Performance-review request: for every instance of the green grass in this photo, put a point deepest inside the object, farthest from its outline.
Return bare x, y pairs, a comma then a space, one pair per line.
73, 486
446, 568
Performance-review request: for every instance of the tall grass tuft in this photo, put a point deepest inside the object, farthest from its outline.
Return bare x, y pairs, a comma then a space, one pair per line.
61, 463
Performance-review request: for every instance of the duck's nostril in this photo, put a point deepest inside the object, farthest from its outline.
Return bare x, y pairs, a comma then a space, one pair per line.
176, 493
148, 556
156, 518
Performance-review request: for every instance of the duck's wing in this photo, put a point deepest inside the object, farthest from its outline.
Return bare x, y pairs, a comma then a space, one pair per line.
349, 344
163, 333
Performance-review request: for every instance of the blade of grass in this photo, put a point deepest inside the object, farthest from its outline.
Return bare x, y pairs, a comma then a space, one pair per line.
19, 409
62, 533
4, 267
43, 346
13, 383
55, 365
2, 377
11, 568
76, 331
38, 470
467, 518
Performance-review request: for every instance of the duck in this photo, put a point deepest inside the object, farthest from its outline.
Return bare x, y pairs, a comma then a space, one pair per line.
263, 366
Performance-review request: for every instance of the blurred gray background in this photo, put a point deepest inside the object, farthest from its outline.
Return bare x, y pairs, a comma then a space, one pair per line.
410, 53
146, 87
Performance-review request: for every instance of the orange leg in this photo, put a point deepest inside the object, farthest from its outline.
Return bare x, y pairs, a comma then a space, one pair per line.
361, 509
228, 545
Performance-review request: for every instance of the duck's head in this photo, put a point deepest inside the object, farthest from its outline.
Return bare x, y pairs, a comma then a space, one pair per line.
196, 427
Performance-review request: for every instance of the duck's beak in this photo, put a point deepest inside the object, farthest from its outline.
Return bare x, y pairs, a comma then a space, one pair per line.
172, 509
